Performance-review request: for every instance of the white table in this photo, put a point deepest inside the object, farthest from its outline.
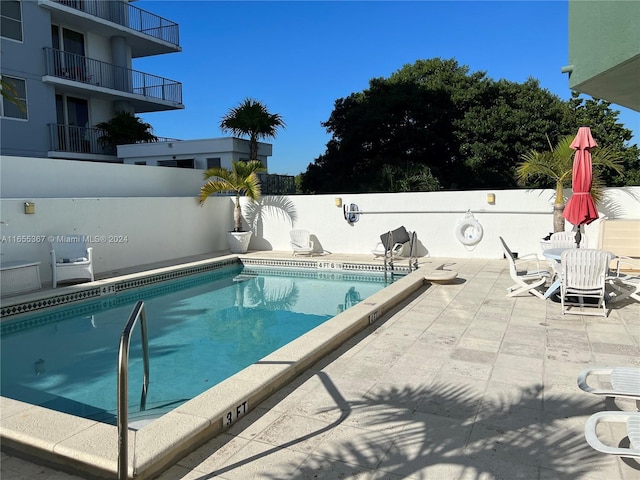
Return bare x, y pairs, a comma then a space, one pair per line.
19, 276
555, 255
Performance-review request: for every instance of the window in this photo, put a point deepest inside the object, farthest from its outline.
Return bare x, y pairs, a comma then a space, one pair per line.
14, 98
186, 163
213, 162
11, 19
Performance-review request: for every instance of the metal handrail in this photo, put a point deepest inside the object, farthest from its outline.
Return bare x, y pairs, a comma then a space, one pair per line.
78, 68
413, 258
123, 386
388, 251
129, 16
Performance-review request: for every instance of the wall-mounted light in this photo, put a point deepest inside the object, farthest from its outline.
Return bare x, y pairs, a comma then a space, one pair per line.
338, 201
491, 198
170, 145
29, 208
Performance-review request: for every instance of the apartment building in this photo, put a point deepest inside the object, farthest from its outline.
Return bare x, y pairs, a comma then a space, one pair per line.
70, 63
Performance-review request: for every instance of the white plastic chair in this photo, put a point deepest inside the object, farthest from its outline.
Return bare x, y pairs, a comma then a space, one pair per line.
625, 280
71, 259
301, 242
624, 382
567, 240
632, 424
526, 279
583, 276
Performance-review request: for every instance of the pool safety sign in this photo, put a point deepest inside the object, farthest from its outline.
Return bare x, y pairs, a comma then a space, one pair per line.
235, 413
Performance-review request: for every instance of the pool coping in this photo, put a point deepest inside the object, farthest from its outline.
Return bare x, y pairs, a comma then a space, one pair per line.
91, 447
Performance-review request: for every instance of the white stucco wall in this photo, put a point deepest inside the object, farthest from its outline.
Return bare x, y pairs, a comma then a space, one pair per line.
31, 178
156, 210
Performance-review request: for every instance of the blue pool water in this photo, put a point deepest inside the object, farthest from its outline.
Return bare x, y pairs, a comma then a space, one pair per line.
202, 329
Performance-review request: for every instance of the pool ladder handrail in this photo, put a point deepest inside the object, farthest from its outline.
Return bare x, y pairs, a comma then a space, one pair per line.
413, 258
413, 245
123, 385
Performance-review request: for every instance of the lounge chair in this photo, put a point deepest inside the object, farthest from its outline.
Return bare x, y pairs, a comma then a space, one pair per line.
583, 274
625, 280
301, 242
624, 381
526, 280
392, 243
632, 423
71, 259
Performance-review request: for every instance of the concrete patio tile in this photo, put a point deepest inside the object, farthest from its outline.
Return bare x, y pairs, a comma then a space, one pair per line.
354, 446
474, 355
619, 338
432, 447
580, 356
610, 360
482, 344
460, 400
257, 460
214, 454
295, 432
514, 375
461, 368
519, 362
323, 468
498, 393
615, 349
485, 467
522, 350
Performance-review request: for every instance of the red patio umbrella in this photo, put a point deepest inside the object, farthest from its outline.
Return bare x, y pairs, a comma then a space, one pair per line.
581, 209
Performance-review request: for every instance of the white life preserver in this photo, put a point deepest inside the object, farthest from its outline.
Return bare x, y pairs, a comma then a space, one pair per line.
469, 231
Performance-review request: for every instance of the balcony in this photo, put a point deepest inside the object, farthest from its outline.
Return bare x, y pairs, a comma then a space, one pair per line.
78, 140
146, 92
147, 33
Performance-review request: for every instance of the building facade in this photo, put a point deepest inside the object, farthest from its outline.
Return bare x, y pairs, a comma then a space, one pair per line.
69, 64
604, 50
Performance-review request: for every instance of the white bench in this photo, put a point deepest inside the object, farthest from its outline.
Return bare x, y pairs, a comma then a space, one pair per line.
18, 277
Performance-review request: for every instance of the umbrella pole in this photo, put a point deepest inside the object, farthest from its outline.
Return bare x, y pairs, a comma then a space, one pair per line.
578, 236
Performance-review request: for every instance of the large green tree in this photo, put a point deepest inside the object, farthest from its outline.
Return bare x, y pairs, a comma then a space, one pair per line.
253, 119
464, 129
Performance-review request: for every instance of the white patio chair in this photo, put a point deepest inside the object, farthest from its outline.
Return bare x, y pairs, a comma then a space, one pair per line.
583, 276
567, 240
632, 424
527, 280
394, 247
625, 279
71, 259
624, 382
301, 242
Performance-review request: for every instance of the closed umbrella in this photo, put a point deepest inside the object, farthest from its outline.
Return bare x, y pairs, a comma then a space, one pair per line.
581, 209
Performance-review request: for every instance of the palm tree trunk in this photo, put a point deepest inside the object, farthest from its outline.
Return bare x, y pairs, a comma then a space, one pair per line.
237, 216
558, 208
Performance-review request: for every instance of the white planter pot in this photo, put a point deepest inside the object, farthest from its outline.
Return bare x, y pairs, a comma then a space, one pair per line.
239, 241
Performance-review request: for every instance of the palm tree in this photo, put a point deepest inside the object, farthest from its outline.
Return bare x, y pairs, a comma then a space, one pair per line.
242, 179
125, 128
557, 165
252, 118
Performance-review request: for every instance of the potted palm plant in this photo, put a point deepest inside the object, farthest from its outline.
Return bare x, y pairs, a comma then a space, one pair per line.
242, 179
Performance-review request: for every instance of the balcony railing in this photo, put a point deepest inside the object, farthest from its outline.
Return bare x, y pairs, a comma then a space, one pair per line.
272, 184
127, 15
73, 139
95, 72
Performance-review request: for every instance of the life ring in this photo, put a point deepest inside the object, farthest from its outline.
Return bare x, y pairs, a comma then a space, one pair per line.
469, 231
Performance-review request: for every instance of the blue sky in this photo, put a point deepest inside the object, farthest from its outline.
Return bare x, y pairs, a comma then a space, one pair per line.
299, 57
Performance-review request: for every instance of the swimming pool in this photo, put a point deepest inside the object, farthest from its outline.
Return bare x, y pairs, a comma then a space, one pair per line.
202, 330
90, 446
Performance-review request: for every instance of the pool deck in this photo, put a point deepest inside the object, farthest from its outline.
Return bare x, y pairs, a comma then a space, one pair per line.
456, 382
